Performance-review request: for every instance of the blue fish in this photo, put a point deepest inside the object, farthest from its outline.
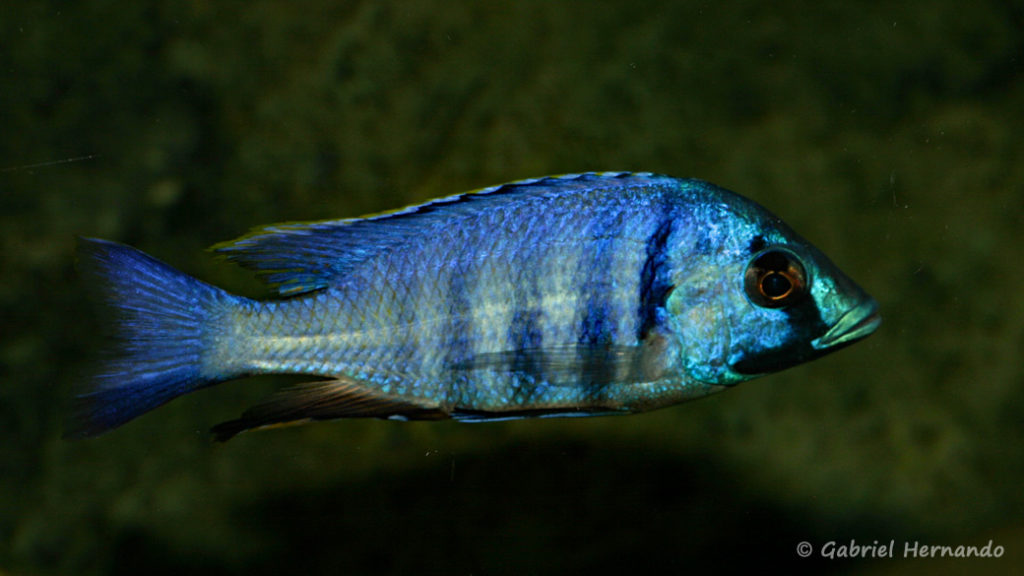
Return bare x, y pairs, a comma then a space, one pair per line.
575, 295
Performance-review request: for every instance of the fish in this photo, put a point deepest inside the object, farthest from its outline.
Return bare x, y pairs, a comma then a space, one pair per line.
589, 294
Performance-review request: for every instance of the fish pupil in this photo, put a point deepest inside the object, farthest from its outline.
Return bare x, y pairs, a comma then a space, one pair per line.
775, 285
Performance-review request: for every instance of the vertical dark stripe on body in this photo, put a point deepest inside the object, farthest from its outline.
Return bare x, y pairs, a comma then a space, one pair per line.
524, 333
654, 280
597, 330
526, 338
458, 329
597, 327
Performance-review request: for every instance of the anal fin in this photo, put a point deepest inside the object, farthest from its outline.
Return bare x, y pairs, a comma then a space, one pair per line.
324, 400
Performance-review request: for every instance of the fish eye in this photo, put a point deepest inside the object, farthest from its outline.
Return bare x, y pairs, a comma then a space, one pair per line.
775, 278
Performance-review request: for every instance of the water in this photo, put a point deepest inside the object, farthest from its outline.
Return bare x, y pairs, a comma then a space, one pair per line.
885, 134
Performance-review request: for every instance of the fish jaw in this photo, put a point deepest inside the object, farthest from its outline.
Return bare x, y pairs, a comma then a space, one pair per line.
858, 323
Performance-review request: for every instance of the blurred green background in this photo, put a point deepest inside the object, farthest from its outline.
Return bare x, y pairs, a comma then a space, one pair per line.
888, 133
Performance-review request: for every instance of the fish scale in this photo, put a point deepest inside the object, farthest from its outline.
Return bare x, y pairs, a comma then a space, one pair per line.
575, 295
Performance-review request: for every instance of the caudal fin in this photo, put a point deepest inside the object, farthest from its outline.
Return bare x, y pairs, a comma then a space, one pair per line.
161, 319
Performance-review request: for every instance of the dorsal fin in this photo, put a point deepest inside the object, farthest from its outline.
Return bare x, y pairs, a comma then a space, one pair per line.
304, 256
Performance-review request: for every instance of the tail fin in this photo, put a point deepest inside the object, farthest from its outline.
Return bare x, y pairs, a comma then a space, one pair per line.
160, 317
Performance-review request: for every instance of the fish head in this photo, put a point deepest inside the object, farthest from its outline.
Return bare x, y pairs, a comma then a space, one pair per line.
757, 298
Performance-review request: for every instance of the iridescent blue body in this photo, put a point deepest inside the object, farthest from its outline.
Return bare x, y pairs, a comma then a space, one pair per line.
572, 295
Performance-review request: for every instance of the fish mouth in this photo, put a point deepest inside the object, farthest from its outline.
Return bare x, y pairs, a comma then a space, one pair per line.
857, 323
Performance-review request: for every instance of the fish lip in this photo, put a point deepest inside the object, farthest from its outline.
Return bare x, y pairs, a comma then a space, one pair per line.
857, 323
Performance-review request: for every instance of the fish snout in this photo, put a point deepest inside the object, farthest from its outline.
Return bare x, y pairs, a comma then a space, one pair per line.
859, 322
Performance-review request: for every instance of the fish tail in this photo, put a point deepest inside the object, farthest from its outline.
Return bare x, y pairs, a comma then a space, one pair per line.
161, 318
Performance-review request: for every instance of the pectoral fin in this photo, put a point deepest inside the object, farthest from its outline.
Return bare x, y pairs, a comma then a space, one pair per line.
325, 400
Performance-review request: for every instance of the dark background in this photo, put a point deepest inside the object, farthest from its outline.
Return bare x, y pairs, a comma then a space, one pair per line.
888, 133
